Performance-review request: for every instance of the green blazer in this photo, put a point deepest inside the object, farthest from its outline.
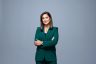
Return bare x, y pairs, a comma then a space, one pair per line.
50, 39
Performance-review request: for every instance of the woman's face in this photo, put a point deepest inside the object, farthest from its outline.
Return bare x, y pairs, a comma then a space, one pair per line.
45, 19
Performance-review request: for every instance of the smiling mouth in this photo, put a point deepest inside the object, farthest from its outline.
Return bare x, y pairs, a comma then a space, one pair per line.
45, 21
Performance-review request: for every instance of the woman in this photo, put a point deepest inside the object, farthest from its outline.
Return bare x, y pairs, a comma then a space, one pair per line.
46, 38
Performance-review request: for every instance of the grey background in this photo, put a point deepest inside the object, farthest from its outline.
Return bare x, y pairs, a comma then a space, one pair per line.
76, 20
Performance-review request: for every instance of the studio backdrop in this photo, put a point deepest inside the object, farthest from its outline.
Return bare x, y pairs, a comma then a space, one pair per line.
76, 22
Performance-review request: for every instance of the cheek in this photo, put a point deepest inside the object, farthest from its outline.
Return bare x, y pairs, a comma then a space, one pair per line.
43, 20
48, 19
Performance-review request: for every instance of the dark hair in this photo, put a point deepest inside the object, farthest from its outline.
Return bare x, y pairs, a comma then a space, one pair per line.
51, 22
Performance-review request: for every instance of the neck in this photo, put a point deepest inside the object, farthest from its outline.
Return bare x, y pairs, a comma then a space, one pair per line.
46, 26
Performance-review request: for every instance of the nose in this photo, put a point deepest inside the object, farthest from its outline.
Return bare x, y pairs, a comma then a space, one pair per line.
44, 19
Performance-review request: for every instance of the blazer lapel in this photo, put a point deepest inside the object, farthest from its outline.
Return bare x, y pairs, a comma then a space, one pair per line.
49, 34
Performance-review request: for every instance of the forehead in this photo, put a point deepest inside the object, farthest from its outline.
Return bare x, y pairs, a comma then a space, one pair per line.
45, 15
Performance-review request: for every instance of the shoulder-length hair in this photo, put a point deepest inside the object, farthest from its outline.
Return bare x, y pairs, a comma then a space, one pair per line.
50, 23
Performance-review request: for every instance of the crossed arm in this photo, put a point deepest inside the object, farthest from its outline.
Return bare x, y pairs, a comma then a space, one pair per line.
49, 43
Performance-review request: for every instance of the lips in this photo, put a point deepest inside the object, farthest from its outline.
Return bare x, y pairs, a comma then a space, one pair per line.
45, 21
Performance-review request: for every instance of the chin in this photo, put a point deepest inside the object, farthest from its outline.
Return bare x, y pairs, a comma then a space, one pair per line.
45, 23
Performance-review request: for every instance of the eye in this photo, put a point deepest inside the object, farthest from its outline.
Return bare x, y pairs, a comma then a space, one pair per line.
46, 17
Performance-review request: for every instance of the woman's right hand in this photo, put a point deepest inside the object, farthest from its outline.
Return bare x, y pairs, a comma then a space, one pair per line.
38, 43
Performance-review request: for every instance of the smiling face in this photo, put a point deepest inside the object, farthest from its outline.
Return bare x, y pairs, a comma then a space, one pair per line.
45, 19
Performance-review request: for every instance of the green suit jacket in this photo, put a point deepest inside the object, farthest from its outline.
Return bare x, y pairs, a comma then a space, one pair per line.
50, 39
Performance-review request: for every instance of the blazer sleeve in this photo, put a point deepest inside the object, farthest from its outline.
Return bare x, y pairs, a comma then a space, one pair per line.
36, 34
53, 41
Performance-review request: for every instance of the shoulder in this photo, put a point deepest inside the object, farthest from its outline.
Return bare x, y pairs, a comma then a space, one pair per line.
55, 28
38, 28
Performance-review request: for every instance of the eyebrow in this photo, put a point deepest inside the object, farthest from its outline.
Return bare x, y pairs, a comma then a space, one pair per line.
44, 17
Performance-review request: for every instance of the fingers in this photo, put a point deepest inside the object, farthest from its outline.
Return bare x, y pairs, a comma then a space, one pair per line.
37, 43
